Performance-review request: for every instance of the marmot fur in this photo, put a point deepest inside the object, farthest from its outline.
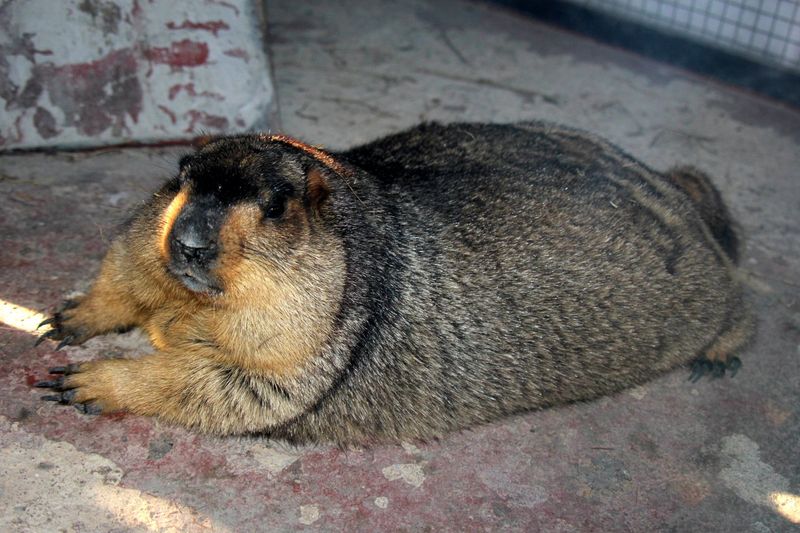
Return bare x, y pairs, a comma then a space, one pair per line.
431, 280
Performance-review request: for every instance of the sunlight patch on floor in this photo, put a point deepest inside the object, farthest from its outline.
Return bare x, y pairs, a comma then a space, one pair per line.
141, 510
19, 317
787, 505
50, 486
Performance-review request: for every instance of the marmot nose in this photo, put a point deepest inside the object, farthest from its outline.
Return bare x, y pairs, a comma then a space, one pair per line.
195, 248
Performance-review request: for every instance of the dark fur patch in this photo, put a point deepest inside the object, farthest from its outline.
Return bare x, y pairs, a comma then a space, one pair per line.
712, 209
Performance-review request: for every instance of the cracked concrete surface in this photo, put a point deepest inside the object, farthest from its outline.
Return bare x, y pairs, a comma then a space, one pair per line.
666, 456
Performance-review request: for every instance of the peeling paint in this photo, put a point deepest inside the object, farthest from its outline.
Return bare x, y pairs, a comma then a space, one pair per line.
271, 459
99, 71
185, 53
206, 120
105, 15
309, 514
213, 26
93, 96
238, 53
409, 472
189, 89
167, 111
45, 123
382, 502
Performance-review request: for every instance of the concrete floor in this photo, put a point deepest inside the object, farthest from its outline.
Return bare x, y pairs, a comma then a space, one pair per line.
669, 456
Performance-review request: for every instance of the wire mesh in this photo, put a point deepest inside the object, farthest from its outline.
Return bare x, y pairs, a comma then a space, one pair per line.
765, 30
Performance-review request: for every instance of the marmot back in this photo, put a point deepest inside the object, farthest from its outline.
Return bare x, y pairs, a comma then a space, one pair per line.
428, 281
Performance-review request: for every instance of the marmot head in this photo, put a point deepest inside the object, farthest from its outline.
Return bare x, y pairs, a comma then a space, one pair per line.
246, 212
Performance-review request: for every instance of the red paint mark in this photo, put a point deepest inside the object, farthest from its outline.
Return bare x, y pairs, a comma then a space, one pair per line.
30, 379
136, 12
175, 89
216, 122
95, 95
190, 90
169, 113
213, 26
180, 54
238, 52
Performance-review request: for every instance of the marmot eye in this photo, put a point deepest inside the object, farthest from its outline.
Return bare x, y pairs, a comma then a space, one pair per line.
276, 207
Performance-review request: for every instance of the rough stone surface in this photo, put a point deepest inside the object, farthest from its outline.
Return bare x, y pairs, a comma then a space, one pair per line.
667, 456
93, 72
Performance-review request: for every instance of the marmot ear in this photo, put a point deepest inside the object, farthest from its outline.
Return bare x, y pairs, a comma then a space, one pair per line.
317, 189
202, 140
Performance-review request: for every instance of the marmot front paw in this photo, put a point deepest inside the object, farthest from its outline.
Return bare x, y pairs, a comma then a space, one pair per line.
64, 326
77, 384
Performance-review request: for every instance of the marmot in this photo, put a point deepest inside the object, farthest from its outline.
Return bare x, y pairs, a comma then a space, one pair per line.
428, 281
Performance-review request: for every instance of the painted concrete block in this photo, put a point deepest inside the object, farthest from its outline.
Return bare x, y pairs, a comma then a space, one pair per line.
93, 72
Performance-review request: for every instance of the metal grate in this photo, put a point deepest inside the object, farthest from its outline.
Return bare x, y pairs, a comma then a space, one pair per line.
765, 30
